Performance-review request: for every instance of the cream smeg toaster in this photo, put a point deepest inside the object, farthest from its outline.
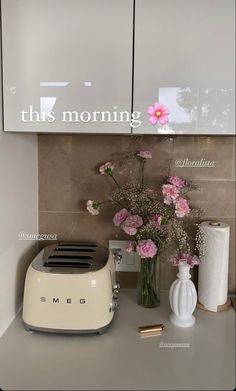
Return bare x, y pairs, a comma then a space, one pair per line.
70, 287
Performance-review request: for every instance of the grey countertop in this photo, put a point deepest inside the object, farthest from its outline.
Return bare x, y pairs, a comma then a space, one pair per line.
198, 358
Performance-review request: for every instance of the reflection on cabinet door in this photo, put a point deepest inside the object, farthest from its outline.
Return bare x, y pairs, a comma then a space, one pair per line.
67, 65
184, 58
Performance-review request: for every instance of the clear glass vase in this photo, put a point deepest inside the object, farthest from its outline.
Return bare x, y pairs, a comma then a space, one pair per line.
148, 284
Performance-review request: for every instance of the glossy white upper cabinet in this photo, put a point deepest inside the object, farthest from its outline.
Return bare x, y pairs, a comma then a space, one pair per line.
184, 58
65, 62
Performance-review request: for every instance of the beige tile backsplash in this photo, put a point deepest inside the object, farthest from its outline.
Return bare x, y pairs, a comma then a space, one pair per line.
68, 177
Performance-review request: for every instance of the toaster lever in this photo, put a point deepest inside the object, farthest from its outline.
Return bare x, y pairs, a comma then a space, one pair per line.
116, 288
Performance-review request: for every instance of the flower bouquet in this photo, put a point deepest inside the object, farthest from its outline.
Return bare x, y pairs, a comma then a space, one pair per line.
154, 219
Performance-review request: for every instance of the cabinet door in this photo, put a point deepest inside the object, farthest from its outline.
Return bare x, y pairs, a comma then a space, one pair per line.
184, 58
67, 56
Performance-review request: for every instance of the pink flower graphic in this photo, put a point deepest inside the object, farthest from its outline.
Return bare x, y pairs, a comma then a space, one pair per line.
177, 181
145, 154
158, 113
182, 208
120, 217
106, 168
170, 193
146, 249
131, 224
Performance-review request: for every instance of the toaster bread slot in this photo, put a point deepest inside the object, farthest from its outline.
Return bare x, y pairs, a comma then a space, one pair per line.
75, 261
78, 245
75, 249
70, 256
68, 264
81, 257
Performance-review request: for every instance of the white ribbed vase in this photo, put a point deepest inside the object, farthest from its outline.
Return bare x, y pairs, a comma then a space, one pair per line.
183, 298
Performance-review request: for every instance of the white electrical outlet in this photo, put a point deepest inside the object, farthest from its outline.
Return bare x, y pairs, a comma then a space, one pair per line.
125, 262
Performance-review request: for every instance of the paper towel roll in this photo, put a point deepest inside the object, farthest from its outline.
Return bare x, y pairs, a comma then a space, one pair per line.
213, 270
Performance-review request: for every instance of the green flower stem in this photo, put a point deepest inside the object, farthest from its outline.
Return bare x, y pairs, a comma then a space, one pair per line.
117, 184
103, 202
142, 170
120, 204
148, 291
117, 202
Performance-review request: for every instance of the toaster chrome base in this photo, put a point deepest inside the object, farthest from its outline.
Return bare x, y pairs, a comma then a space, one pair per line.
100, 331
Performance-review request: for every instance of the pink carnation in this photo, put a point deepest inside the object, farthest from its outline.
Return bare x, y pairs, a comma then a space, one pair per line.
156, 220
145, 154
182, 208
170, 193
184, 259
131, 224
120, 217
158, 113
130, 247
176, 181
106, 168
190, 260
146, 249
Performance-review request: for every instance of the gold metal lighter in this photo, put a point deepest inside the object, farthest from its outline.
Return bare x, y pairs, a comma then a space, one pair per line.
151, 330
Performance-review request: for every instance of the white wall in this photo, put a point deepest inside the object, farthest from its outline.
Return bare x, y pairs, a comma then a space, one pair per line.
18, 212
